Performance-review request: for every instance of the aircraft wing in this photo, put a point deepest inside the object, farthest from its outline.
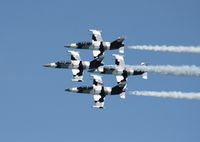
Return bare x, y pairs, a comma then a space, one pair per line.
96, 35
98, 91
99, 100
119, 60
100, 52
74, 55
77, 75
123, 77
97, 80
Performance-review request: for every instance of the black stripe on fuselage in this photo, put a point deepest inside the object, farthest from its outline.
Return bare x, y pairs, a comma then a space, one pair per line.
83, 45
84, 89
108, 70
138, 72
62, 64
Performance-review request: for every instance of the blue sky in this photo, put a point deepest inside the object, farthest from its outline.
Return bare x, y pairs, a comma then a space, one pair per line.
33, 104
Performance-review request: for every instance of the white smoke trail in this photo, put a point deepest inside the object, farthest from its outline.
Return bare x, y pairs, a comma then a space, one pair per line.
164, 48
169, 69
171, 94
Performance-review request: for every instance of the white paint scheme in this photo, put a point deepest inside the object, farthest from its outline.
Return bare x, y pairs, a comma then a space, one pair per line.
130, 70
145, 76
97, 78
96, 45
121, 50
77, 78
74, 89
75, 71
100, 69
97, 89
96, 97
73, 45
53, 65
86, 64
108, 89
122, 95
96, 53
75, 63
106, 44
75, 54
120, 59
119, 78
97, 34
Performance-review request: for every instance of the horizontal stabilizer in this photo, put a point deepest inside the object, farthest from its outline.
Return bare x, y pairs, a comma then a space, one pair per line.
145, 75
123, 95
121, 50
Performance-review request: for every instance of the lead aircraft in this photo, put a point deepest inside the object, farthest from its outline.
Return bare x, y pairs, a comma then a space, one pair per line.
77, 65
99, 91
98, 45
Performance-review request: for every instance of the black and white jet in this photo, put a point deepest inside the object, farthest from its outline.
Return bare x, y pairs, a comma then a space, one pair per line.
98, 45
99, 91
119, 69
76, 65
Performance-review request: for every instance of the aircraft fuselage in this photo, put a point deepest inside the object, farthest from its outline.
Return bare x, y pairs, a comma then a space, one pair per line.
98, 45
111, 69
69, 64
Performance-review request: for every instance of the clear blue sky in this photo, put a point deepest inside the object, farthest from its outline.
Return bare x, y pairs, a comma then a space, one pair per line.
33, 104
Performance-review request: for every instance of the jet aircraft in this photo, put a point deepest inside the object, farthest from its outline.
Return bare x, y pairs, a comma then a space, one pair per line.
76, 65
98, 45
119, 68
99, 91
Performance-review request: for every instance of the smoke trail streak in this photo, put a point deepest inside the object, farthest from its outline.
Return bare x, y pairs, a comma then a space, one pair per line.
164, 48
168, 69
171, 94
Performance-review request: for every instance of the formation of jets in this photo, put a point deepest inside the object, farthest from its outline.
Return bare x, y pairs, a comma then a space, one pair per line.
96, 66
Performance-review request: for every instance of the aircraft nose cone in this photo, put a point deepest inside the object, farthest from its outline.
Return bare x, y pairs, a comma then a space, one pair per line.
75, 90
53, 65
68, 89
47, 65
73, 45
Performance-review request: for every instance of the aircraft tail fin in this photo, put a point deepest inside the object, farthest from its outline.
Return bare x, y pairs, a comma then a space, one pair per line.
120, 89
97, 62
145, 74
118, 44
119, 60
